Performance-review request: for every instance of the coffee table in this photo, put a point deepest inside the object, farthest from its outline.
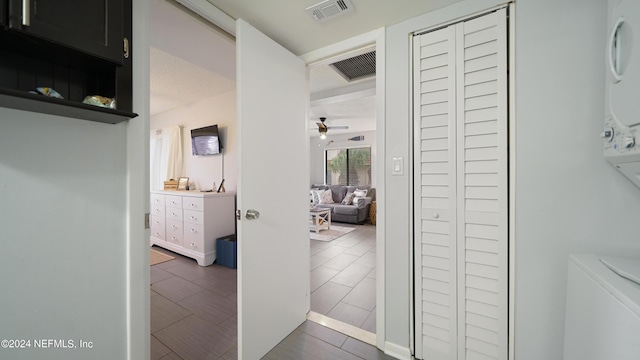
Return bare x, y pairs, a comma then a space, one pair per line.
319, 219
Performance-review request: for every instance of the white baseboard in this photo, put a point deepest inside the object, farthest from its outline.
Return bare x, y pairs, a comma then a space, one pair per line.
397, 351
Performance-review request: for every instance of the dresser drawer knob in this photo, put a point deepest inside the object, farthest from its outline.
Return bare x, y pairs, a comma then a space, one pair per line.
193, 245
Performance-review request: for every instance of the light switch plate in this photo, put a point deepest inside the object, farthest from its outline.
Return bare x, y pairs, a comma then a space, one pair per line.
398, 166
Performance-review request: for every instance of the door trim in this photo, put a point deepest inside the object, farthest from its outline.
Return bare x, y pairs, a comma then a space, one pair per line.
138, 307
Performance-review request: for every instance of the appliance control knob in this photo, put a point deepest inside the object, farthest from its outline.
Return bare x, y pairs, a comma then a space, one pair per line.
629, 141
607, 134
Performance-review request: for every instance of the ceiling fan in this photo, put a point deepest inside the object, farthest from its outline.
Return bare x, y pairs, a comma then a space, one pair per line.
322, 128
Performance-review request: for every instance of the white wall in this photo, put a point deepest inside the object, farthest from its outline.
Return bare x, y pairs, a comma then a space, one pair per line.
568, 198
204, 170
317, 152
63, 185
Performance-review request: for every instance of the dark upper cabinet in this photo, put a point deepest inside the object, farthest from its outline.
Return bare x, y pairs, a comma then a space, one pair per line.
75, 47
3, 13
94, 27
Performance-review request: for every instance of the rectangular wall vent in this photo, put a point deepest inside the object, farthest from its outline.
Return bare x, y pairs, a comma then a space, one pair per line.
357, 67
329, 9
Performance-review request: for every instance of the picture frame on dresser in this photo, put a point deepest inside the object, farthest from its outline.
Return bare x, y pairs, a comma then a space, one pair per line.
183, 182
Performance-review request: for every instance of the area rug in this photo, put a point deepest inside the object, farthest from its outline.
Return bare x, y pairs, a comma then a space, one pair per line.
331, 234
156, 257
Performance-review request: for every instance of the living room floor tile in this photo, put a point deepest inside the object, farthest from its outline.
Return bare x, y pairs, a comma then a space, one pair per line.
368, 259
340, 262
317, 260
332, 251
320, 276
360, 249
351, 275
363, 295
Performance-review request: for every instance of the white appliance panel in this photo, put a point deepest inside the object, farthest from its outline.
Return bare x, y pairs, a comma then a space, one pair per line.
603, 311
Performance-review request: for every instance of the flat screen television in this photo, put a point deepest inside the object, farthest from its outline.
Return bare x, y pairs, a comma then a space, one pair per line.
205, 141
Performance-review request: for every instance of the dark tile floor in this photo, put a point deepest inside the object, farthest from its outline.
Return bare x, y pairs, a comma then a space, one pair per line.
343, 277
192, 305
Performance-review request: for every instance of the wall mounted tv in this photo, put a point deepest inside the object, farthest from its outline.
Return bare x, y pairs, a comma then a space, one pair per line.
205, 141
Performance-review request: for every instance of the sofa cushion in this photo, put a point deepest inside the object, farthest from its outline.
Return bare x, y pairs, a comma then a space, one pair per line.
348, 199
338, 192
325, 197
345, 209
361, 192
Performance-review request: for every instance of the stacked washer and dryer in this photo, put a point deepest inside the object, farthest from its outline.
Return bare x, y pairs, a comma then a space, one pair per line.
603, 293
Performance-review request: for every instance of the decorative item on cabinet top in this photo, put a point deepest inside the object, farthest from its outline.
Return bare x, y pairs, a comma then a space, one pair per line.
183, 183
171, 184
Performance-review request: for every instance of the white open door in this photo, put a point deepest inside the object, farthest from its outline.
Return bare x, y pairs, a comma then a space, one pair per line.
273, 180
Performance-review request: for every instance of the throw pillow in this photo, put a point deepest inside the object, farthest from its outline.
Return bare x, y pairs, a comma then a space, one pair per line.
348, 199
313, 194
325, 197
360, 192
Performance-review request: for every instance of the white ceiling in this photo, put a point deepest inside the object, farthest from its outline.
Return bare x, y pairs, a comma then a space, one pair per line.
191, 60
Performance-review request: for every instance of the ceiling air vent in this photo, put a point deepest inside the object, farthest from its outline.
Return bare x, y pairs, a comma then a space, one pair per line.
329, 9
357, 67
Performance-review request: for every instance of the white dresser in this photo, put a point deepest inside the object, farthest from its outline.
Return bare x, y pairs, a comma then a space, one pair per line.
189, 222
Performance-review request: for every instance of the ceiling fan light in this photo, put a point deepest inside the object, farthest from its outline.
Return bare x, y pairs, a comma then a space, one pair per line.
323, 132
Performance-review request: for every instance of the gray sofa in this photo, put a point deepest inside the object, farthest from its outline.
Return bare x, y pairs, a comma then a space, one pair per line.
356, 213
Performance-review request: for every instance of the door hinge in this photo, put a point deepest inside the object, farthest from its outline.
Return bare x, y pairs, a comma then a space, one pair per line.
146, 221
125, 47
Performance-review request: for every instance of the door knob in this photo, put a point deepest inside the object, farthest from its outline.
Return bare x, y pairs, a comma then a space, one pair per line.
252, 214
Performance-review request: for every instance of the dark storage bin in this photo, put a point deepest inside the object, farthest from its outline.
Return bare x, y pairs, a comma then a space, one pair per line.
227, 251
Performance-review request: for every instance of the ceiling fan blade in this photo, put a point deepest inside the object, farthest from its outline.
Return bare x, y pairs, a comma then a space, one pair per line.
321, 125
338, 127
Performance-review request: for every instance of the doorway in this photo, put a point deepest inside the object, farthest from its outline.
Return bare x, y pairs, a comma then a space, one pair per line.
343, 269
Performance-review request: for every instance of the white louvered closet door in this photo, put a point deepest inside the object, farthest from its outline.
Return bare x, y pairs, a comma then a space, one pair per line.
461, 267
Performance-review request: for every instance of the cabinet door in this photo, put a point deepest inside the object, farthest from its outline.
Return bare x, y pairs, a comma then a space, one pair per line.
3, 13
94, 27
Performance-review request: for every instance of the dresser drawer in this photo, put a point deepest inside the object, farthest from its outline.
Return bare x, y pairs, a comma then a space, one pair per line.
174, 232
157, 199
157, 210
173, 201
173, 214
157, 227
194, 237
193, 217
192, 203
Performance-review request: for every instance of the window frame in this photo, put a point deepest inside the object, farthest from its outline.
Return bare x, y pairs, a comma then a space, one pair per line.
347, 148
